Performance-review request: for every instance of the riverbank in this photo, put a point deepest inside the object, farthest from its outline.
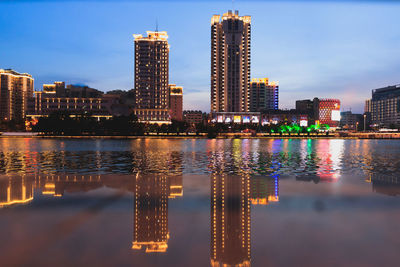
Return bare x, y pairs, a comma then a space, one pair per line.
219, 136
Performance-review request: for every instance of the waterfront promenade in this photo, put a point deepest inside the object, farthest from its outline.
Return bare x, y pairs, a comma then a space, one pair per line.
336, 135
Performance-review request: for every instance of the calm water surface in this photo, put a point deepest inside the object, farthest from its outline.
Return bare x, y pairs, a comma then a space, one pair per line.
195, 202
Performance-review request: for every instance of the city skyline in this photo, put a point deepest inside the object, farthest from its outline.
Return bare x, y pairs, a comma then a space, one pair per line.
95, 54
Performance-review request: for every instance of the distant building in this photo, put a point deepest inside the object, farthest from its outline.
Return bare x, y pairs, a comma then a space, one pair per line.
368, 106
193, 116
385, 106
15, 90
306, 106
71, 99
264, 95
151, 77
328, 111
351, 121
322, 111
230, 62
58, 89
176, 102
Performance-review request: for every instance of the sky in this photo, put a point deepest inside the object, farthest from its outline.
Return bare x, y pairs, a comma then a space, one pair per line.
327, 49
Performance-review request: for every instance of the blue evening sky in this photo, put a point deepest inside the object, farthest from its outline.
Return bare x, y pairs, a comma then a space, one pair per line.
338, 49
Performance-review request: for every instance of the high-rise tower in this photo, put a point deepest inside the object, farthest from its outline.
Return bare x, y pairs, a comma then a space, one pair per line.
15, 90
151, 76
230, 62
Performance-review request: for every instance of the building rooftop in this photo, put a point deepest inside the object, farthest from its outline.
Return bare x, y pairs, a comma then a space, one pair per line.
230, 15
264, 80
152, 36
15, 73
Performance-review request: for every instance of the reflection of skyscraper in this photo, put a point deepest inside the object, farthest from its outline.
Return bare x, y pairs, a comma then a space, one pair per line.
264, 190
151, 211
15, 190
151, 215
230, 220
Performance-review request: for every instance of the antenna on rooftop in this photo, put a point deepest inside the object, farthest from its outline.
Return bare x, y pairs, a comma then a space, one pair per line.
156, 24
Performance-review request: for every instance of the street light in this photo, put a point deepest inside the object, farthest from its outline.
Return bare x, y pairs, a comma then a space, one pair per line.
365, 116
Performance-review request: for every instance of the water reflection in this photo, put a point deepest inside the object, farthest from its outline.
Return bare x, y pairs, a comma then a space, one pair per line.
233, 199
17, 190
386, 185
151, 211
325, 159
230, 220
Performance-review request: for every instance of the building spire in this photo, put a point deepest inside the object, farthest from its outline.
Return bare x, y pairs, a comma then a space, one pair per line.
156, 24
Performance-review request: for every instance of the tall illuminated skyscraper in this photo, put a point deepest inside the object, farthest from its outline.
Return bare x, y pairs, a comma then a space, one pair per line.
15, 89
151, 76
230, 62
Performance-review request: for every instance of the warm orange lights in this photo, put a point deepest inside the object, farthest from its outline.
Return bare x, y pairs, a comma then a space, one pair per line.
152, 36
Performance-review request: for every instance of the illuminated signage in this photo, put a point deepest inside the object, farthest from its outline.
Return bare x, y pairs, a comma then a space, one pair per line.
220, 119
246, 119
255, 119
228, 120
336, 115
236, 119
265, 122
303, 123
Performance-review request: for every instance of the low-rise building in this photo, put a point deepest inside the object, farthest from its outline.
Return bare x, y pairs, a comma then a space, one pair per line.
321, 111
193, 116
176, 102
264, 95
58, 98
351, 121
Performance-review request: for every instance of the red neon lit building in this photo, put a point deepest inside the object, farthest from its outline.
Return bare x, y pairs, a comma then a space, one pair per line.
328, 111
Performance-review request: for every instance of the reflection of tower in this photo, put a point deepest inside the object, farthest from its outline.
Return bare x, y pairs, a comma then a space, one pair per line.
230, 220
385, 184
264, 190
151, 211
151, 217
15, 190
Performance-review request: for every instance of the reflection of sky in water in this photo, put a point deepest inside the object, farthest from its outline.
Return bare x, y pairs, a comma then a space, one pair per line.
145, 202
199, 202
190, 220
